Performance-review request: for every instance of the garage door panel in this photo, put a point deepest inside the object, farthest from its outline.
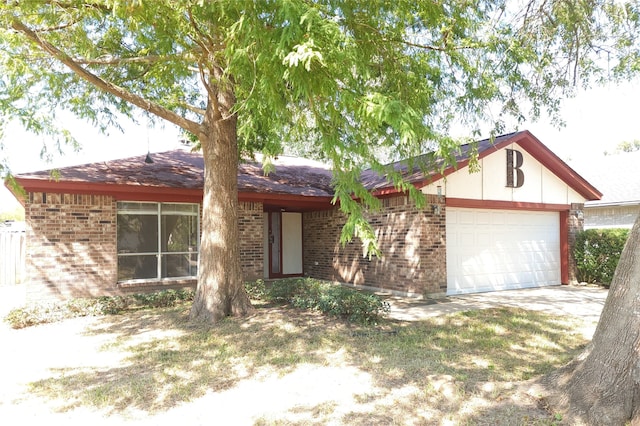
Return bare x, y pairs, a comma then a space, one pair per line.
484, 239
464, 217
496, 250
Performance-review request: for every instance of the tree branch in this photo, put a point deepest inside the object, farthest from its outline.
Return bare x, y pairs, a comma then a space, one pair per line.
57, 28
111, 60
109, 87
429, 46
194, 109
413, 44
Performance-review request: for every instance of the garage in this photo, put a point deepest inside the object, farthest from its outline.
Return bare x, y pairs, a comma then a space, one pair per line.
491, 249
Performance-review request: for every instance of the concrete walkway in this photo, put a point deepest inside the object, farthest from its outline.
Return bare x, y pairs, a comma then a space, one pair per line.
579, 301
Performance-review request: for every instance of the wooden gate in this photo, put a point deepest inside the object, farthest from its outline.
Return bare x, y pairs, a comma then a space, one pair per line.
12, 256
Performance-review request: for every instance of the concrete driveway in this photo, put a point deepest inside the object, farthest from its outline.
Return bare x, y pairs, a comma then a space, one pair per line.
579, 301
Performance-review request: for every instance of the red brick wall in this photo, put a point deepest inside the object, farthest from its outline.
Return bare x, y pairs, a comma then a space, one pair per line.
71, 245
250, 218
412, 242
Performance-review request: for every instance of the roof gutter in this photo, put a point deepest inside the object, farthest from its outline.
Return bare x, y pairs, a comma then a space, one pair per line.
612, 203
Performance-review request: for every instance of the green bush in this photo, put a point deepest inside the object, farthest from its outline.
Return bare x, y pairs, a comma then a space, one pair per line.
255, 289
289, 289
360, 307
303, 293
163, 299
344, 302
597, 252
26, 317
112, 305
105, 305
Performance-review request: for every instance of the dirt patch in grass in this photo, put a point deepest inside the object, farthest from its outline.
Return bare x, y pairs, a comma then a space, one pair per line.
285, 366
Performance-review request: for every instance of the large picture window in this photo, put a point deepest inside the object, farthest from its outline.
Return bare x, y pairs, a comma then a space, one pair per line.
157, 240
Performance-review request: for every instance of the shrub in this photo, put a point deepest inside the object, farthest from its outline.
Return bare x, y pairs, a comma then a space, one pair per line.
597, 252
43, 313
105, 305
344, 302
23, 317
111, 305
356, 306
289, 289
81, 307
163, 299
255, 289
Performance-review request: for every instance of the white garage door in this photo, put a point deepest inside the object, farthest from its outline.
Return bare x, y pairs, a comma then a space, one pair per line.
501, 249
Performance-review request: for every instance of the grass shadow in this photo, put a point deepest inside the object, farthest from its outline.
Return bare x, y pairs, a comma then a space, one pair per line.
170, 360
418, 369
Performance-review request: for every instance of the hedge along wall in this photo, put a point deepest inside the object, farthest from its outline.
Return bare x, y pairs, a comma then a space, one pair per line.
597, 252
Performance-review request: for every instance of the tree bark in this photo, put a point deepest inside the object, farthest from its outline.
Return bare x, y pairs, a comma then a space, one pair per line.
220, 291
604, 388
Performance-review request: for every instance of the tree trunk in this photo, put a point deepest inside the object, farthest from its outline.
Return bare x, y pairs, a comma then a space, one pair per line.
220, 292
604, 388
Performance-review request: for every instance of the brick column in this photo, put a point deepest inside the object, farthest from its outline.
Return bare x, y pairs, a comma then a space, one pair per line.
251, 222
575, 225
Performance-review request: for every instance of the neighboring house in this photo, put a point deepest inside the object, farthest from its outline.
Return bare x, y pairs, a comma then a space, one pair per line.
618, 177
130, 226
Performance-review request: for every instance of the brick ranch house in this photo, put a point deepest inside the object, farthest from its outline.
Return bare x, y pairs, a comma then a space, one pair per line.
131, 226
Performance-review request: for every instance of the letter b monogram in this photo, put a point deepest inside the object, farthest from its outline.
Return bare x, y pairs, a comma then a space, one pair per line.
515, 176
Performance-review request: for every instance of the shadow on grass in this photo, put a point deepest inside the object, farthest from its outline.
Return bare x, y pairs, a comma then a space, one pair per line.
170, 360
502, 344
421, 369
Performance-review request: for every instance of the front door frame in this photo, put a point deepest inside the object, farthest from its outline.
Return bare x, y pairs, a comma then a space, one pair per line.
276, 236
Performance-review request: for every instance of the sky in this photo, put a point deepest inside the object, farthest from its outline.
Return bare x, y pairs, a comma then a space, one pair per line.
596, 121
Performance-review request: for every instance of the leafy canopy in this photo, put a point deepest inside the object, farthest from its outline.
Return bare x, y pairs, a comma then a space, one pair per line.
345, 80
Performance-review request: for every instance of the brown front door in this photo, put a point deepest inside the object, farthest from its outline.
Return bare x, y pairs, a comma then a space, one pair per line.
275, 244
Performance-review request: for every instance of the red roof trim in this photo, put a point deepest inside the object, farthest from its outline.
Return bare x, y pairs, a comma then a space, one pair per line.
290, 201
390, 191
504, 205
165, 194
544, 155
118, 192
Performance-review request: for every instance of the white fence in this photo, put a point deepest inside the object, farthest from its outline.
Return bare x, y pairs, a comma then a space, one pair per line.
12, 257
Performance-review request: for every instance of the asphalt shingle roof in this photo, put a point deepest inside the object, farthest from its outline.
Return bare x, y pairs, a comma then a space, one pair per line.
617, 176
426, 162
182, 169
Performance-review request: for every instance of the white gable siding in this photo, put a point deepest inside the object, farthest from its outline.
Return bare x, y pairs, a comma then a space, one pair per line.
490, 183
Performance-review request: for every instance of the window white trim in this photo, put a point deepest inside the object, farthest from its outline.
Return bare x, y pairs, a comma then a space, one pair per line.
160, 210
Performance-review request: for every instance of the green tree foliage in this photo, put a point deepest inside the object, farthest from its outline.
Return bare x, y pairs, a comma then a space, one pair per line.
597, 252
17, 214
345, 79
626, 146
